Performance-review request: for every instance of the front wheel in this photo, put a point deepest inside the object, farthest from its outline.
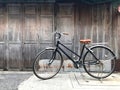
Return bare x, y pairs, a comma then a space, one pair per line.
47, 64
104, 66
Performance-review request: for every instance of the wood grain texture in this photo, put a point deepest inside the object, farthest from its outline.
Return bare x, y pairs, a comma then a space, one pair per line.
26, 29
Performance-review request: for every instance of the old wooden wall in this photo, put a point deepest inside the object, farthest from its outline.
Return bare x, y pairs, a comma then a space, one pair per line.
26, 29
96, 23
116, 35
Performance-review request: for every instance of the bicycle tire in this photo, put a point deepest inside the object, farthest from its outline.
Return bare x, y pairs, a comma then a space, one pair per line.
42, 68
106, 65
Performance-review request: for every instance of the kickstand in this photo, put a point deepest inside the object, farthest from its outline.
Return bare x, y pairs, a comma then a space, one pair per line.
101, 80
81, 73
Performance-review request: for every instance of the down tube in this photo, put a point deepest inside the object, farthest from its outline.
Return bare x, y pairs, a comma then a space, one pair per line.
66, 54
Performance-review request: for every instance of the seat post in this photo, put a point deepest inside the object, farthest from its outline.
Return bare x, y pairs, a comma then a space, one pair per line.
82, 50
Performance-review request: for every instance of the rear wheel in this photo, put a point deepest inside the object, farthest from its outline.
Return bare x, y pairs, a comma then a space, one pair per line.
47, 64
104, 66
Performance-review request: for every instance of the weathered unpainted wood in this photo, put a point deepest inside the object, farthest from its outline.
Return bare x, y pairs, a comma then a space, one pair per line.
14, 36
26, 29
2, 37
95, 23
29, 53
116, 35
65, 23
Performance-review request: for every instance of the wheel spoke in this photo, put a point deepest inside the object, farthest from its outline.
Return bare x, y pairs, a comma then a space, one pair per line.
104, 66
47, 64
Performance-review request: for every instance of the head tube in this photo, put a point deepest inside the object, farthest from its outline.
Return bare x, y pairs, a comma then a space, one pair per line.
57, 36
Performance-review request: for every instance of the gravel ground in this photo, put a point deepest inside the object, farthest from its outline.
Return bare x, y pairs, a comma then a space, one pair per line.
11, 79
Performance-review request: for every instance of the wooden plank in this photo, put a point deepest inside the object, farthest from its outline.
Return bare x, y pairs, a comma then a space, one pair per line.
46, 29
65, 23
29, 35
95, 23
46, 23
38, 28
29, 53
2, 37
14, 37
2, 27
14, 28
30, 9
65, 9
30, 28
46, 9
14, 8
118, 33
15, 59
115, 31
2, 23
2, 56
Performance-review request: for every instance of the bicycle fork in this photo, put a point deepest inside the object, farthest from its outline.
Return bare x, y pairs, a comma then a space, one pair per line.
52, 58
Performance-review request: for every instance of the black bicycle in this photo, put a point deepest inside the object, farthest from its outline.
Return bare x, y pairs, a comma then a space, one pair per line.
98, 60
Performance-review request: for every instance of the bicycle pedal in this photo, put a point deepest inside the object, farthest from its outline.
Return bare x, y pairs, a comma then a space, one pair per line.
76, 66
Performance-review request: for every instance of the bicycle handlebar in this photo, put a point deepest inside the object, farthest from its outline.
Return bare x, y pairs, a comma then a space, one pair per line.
65, 33
60, 34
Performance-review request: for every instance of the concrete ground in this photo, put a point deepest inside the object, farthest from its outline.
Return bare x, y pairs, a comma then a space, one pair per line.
9, 80
12, 80
72, 81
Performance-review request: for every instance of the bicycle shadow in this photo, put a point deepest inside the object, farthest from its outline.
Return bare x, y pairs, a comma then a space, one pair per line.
84, 79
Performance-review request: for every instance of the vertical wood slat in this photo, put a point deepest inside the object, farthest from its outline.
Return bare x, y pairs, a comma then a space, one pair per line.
115, 31
30, 23
65, 23
38, 29
95, 23
2, 37
118, 34
46, 23
14, 36
25, 22
29, 34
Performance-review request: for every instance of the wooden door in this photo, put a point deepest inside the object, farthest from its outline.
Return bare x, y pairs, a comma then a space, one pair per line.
29, 34
14, 36
65, 23
38, 28
2, 37
95, 23
116, 35
46, 25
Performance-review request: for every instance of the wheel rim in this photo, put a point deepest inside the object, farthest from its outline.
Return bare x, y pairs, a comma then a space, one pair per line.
45, 67
102, 69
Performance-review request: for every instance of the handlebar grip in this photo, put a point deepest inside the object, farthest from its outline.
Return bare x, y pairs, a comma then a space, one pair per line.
65, 33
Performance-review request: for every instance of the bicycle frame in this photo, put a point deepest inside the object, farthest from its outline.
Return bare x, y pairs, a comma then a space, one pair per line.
44, 68
79, 56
